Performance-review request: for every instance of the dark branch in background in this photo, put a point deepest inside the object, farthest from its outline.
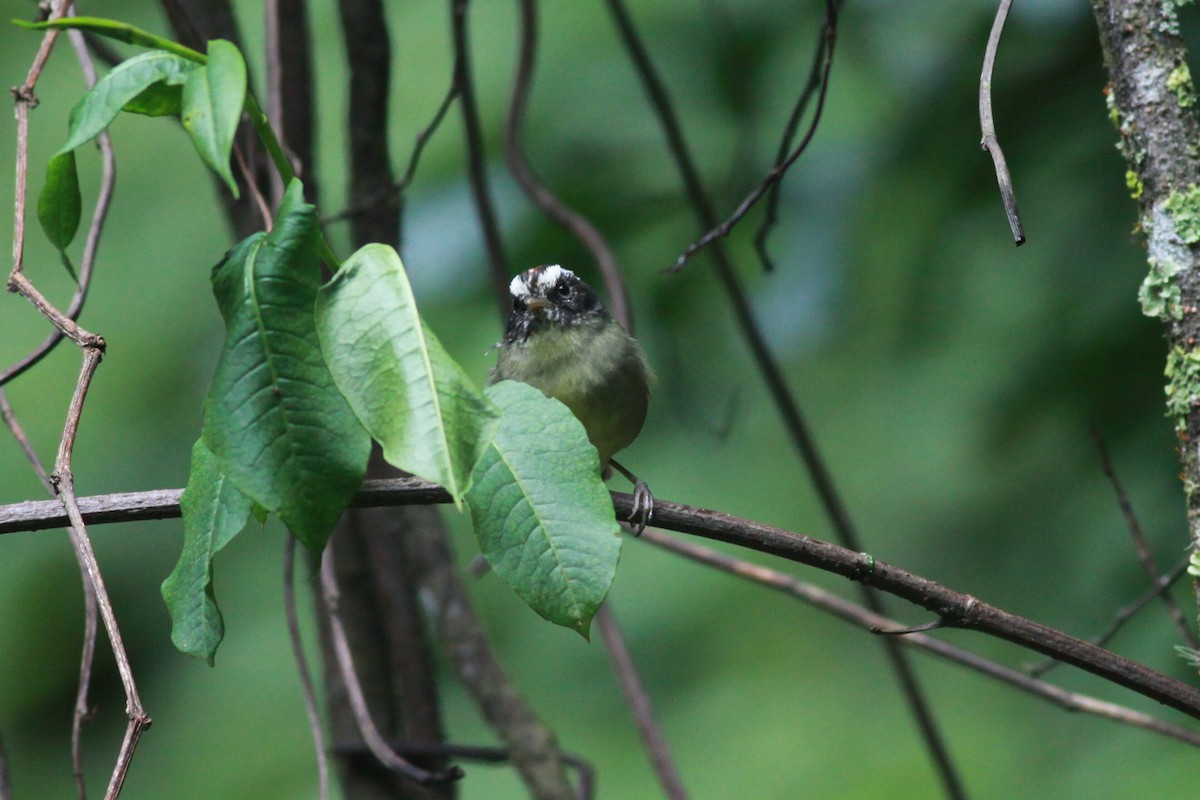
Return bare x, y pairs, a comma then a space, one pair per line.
5, 780
857, 615
487, 755
195, 23
957, 609
371, 736
382, 613
554, 208
289, 88
1143, 548
632, 687
531, 745
784, 162
776, 384
307, 687
394, 194
369, 56
477, 156
639, 701
988, 125
1162, 583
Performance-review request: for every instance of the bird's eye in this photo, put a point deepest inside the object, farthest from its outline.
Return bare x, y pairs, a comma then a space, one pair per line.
518, 304
563, 289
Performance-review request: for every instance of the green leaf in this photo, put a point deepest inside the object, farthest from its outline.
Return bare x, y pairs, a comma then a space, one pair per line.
157, 100
409, 394
59, 205
543, 518
213, 98
101, 105
273, 417
214, 511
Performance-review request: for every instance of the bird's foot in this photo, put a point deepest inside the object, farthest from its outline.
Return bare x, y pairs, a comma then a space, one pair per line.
643, 507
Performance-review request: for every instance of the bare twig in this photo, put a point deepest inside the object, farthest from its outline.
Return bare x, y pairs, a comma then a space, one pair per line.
785, 161
370, 734
1143, 548
960, 610
639, 701
554, 208
857, 615
306, 681
476, 155
988, 125
781, 394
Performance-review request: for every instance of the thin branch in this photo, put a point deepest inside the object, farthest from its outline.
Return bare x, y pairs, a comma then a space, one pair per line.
1141, 545
1161, 584
477, 156
989, 142
306, 682
96, 227
554, 208
64, 483
785, 160
639, 701
815, 82
394, 194
857, 615
959, 610
489, 755
781, 394
354, 692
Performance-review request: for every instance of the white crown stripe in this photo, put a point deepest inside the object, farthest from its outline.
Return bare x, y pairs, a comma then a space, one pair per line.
542, 278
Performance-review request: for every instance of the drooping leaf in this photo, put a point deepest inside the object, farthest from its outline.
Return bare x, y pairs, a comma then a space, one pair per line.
101, 105
412, 397
543, 518
214, 511
273, 417
213, 98
60, 205
112, 29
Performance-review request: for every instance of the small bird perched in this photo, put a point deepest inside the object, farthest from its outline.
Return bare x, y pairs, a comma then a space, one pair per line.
560, 340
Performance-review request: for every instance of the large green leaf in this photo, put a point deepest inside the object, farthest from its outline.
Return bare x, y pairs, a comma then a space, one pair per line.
59, 204
213, 98
100, 106
273, 417
411, 396
214, 511
542, 515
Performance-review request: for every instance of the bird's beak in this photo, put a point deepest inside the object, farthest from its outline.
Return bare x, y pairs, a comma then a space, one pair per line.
537, 304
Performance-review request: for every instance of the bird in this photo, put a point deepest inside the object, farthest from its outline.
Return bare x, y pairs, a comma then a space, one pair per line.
560, 339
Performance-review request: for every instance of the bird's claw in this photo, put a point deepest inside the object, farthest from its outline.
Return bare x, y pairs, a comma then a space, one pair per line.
643, 507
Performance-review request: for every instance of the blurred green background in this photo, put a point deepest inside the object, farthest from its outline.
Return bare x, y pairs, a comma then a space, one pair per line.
950, 379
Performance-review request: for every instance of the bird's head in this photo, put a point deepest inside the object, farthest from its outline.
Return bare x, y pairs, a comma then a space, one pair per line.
550, 297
